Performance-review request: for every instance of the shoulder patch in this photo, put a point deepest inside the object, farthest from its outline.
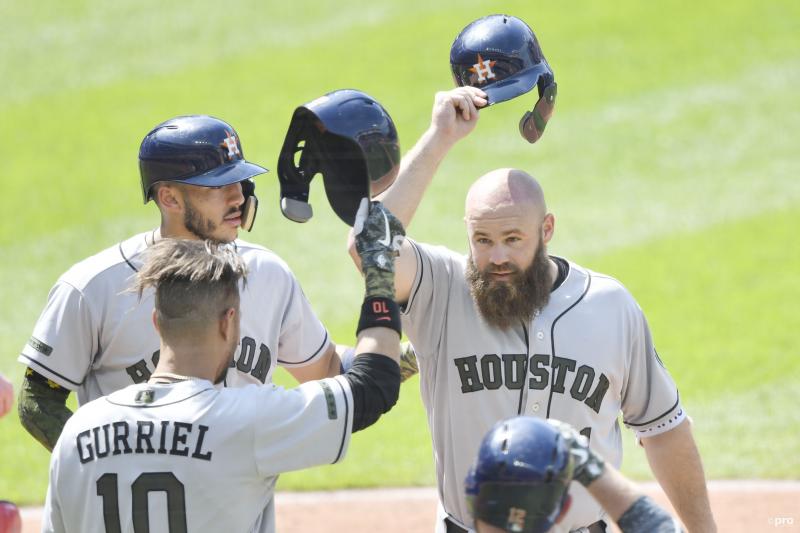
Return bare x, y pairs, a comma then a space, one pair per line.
41, 347
330, 400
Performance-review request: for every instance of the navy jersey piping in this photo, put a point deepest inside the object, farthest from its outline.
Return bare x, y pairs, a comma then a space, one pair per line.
161, 404
421, 274
662, 415
553, 338
50, 370
346, 421
321, 346
524, 368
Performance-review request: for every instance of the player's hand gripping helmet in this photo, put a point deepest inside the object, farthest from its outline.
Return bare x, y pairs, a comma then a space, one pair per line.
198, 150
521, 477
350, 139
500, 55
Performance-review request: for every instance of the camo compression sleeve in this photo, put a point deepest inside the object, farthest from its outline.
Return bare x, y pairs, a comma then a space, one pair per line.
42, 408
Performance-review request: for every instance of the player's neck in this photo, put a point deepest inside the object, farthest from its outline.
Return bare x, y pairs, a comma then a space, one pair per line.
185, 362
553, 270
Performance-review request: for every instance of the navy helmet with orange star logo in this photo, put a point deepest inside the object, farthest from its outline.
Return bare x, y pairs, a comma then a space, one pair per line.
198, 150
501, 55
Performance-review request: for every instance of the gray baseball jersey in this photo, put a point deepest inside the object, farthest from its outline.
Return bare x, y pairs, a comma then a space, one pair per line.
189, 456
95, 337
586, 357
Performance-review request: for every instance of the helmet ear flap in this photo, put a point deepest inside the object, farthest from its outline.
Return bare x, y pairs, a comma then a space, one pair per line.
350, 139
533, 123
250, 207
298, 163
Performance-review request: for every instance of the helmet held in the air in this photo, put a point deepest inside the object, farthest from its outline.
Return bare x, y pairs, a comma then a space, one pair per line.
501, 55
349, 138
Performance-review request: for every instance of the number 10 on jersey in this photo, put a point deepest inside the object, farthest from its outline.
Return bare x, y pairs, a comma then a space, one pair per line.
147, 482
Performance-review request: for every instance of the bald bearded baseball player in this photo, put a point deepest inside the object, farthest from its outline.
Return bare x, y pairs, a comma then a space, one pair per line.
508, 329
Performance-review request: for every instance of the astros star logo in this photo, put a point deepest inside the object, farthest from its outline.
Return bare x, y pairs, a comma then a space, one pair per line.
230, 144
483, 68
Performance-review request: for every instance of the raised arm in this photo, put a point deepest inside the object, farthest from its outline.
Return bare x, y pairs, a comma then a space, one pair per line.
374, 376
454, 116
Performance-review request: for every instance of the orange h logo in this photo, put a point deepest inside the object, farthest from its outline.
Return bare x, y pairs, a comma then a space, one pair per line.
230, 144
483, 68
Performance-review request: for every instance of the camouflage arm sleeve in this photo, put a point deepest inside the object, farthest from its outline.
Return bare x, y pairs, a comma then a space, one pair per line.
408, 361
43, 408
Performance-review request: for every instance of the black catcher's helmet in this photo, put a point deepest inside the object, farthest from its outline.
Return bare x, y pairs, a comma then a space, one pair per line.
501, 55
198, 150
521, 477
349, 138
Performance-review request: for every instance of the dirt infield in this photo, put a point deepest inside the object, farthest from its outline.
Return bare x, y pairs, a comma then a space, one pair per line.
739, 506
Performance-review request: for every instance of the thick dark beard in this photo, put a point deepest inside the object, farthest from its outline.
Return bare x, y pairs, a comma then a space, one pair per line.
503, 304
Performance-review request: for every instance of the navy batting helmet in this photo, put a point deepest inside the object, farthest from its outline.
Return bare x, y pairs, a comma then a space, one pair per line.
198, 150
349, 138
521, 477
501, 55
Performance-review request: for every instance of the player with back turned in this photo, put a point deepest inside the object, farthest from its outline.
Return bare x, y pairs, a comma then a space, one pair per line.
182, 453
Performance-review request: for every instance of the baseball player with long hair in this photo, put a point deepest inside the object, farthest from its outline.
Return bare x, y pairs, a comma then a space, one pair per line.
180, 453
94, 338
509, 329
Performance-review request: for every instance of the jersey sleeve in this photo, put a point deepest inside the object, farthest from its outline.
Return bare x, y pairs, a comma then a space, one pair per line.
306, 426
650, 400
303, 338
64, 338
52, 518
426, 310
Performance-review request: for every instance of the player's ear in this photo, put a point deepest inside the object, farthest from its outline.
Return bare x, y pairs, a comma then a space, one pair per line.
564, 508
167, 196
227, 323
154, 317
548, 227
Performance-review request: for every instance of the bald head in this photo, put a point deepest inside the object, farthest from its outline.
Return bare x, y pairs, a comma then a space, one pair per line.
505, 191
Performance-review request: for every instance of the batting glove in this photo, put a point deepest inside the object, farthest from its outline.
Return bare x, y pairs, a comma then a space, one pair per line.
588, 466
379, 235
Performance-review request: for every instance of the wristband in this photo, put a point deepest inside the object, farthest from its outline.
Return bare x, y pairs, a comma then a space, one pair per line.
379, 312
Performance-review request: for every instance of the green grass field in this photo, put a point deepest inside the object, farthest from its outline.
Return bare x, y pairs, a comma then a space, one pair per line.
671, 163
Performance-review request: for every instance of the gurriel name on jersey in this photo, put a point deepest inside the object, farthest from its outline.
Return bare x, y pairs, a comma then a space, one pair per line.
144, 437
